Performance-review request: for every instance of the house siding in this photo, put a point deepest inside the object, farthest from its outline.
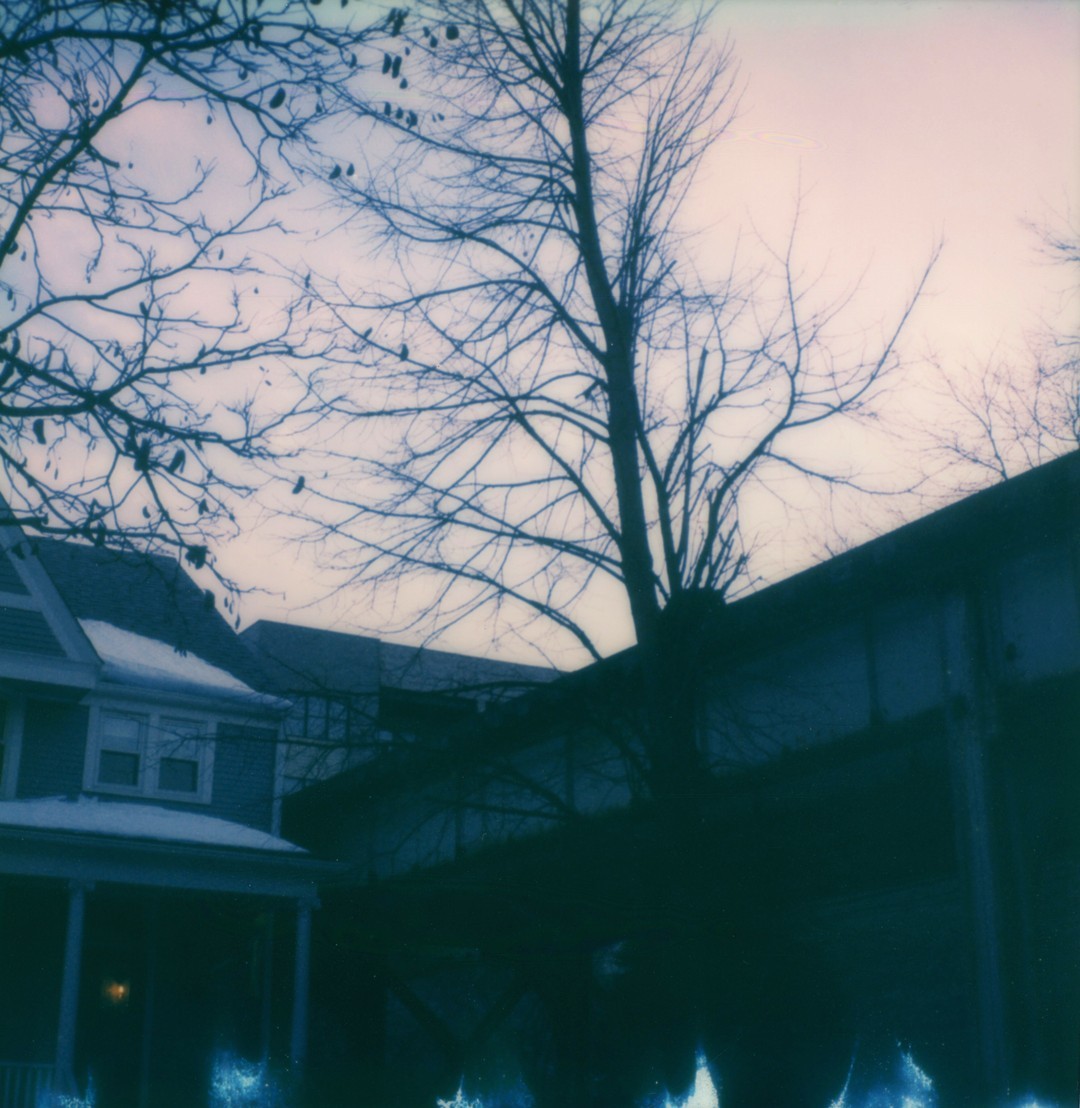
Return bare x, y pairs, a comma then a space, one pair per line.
54, 754
22, 631
53, 750
244, 775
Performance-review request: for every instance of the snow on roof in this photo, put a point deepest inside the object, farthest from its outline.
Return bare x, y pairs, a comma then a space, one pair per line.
90, 816
140, 660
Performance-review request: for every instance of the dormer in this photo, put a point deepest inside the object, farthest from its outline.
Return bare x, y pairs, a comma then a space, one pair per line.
120, 681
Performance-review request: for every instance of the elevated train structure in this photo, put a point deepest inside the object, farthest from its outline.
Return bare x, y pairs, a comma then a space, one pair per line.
884, 846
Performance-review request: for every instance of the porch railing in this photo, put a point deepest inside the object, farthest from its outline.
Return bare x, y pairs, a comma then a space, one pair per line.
25, 1084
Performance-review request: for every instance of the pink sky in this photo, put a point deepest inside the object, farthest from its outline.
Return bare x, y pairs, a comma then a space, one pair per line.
904, 121
959, 117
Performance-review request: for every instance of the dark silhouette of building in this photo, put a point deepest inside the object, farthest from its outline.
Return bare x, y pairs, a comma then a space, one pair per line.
886, 848
882, 846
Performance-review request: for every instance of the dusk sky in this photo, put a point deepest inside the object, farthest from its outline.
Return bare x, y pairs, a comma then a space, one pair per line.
901, 123
909, 120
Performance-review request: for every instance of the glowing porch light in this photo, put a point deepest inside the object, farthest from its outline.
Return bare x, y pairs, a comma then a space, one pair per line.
116, 993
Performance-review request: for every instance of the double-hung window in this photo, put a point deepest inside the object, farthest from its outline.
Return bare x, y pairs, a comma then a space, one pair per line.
121, 746
151, 754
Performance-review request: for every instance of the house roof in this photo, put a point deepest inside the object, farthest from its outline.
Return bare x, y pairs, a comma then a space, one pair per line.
41, 642
421, 670
131, 659
128, 604
935, 551
147, 846
946, 547
309, 659
147, 595
119, 819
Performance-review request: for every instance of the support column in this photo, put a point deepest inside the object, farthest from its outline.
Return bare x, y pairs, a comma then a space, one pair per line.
69, 987
971, 722
266, 1023
301, 976
147, 1045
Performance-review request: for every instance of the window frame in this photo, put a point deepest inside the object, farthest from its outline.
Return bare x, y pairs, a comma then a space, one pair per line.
153, 746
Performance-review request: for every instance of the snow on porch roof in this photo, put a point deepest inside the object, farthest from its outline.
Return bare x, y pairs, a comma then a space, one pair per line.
118, 819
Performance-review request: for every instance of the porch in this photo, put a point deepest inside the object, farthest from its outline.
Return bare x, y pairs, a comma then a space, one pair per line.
139, 962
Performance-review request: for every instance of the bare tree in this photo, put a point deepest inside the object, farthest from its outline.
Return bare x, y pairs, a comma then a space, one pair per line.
545, 399
552, 400
1019, 410
138, 147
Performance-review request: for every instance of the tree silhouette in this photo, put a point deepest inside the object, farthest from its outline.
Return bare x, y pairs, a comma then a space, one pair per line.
1019, 410
544, 399
554, 401
140, 149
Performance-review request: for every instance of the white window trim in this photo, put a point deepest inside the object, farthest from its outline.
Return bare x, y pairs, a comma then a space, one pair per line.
152, 715
12, 726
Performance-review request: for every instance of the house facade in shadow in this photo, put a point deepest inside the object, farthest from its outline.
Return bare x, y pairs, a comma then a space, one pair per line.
386, 870
883, 861
153, 918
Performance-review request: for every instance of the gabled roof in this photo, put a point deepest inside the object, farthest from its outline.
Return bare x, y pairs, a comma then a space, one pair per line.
40, 640
148, 595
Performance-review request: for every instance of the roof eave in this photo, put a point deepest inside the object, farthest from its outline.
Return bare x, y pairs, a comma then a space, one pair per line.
121, 685
73, 855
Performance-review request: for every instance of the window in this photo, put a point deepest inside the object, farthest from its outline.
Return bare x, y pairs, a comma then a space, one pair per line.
324, 719
325, 734
146, 754
179, 747
121, 756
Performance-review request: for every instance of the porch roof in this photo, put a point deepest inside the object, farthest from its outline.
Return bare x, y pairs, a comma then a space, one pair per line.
136, 844
88, 815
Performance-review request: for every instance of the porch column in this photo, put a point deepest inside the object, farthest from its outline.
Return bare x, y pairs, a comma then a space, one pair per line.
145, 1054
298, 1042
971, 723
266, 1016
69, 986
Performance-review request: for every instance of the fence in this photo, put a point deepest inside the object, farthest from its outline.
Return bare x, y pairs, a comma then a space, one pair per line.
25, 1084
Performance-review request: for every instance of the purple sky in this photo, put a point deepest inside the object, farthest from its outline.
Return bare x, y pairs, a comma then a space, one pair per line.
901, 122
959, 118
